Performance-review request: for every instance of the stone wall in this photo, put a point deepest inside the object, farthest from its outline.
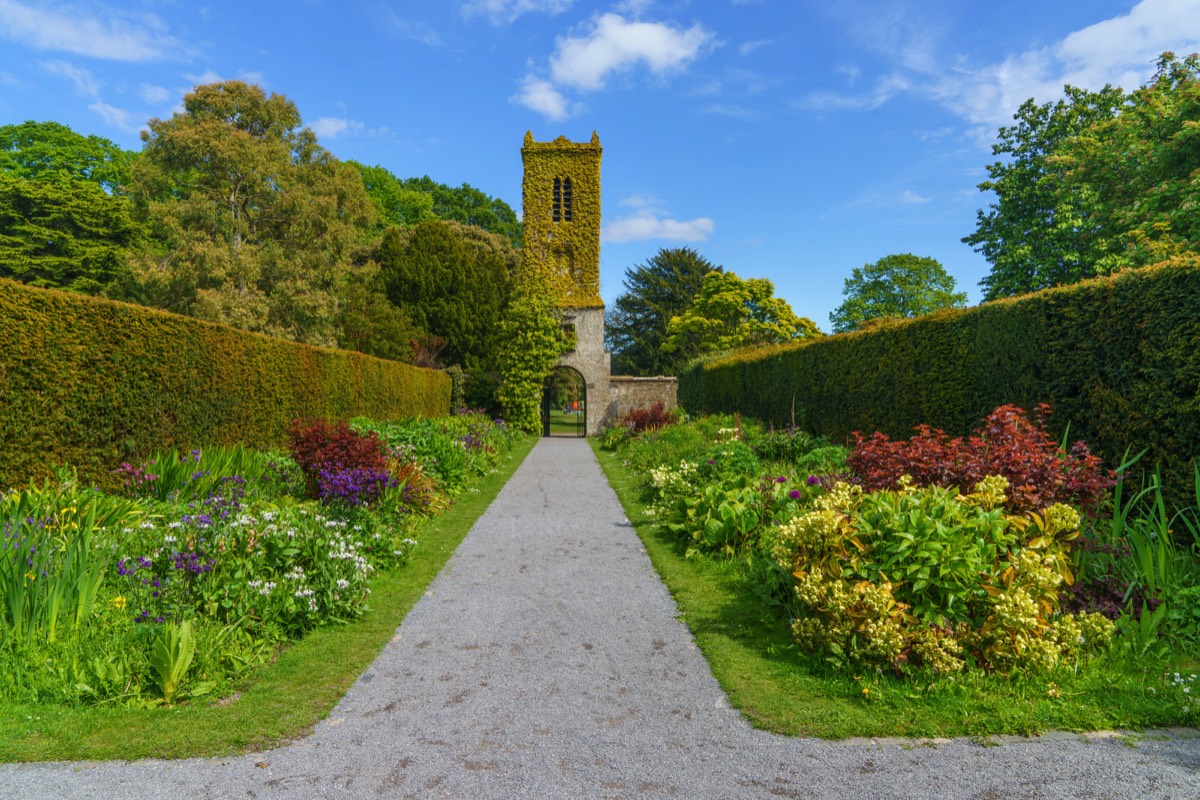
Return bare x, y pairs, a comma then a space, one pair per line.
630, 393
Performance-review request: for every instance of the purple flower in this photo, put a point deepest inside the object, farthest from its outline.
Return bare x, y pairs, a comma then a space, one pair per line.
813, 480
794, 494
781, 479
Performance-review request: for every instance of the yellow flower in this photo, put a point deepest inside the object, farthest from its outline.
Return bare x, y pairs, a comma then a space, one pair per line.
118, 602
29, 576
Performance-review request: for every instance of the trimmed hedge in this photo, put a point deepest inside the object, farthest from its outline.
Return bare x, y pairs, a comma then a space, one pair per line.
1117, 358
92, 383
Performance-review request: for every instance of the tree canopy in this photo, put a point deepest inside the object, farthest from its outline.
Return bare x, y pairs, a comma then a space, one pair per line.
62, 223
411, 200
453, 280
254, 224
1140, 170
895, 286
46, 150
1093, 183
730, 312
63, 233
636, 325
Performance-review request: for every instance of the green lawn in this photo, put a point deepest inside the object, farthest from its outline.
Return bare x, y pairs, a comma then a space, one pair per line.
749, 646
565, 424
281, 701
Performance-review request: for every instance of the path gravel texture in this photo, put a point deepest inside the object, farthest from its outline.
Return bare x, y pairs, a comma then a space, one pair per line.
547, 661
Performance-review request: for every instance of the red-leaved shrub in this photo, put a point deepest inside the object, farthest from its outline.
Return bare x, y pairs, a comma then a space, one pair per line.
640, 420
1008, 443
318, 446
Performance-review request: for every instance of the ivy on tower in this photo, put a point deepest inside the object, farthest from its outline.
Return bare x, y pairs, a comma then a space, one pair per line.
561, 217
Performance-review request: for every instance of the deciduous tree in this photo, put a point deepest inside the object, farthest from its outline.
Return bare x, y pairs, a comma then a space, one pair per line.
730, 312
254, 223
895, 286
636, 325
1037, 233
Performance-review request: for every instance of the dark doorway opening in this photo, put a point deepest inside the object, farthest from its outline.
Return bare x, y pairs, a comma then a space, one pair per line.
564, 403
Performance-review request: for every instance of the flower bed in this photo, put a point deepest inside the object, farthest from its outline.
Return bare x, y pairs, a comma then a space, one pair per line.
209, 560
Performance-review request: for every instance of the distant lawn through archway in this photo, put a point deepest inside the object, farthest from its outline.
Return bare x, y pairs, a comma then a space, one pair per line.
564, 403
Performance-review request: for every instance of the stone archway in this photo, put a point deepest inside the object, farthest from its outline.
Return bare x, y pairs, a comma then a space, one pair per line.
564, 403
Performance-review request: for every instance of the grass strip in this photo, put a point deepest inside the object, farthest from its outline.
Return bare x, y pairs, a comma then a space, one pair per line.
778, 688
281, 701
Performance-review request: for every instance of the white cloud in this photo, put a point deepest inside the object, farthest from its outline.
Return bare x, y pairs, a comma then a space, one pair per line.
733, 111
68, 29
116, 117
505, 11
541, 96
1121, 51
651, 222
885, 89
614, 44
208, 76
85, 84
154, 94
746, 48
416, 31
332, 127
909, 197
8, 79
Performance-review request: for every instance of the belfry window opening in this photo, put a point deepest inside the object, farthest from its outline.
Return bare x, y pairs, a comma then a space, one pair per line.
562, 211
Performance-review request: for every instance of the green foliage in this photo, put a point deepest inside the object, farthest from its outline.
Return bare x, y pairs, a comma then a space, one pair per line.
49, 575
1138, 169
531, 341
730, 312
636, 325
895, 286
395, 204
194, 580
252, 222
1117, 358
369, 322
453, 281
564, 251
62, 232
46, 151
1097, 182
467, 205
1038, 234
95, 383
171, 656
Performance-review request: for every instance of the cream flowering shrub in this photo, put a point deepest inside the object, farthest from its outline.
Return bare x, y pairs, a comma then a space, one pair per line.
927, 576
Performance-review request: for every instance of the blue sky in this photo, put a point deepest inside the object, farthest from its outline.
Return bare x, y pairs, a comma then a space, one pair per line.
785, 139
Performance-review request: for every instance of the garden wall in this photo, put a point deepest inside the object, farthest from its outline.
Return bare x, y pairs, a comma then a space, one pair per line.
91, 383
1117, 358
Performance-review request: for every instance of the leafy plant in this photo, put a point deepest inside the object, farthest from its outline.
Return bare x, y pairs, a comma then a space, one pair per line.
640, 420
1008, 444
320, 447
171, 655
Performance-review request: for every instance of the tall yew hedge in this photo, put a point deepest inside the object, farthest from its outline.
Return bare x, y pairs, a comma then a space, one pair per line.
92, 383
1117, 358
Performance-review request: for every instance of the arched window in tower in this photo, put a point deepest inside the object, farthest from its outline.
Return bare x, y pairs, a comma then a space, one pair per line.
562, 210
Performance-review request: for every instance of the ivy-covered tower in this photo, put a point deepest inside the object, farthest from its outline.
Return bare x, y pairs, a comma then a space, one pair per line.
560, 200
561, 205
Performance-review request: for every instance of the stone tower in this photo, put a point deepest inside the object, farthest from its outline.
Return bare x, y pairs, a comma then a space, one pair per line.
560, 202
561, 216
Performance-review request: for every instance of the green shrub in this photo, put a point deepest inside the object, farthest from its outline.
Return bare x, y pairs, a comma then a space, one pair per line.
95, 383
1118, 358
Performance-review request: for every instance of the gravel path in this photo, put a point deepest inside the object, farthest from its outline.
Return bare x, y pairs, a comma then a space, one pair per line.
546, 661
